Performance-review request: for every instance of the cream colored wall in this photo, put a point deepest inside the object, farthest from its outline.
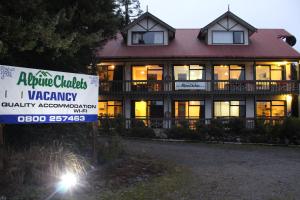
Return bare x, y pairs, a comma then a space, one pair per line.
231, 23
143, 27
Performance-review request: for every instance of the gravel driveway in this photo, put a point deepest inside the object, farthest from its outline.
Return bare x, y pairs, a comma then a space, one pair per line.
232, 172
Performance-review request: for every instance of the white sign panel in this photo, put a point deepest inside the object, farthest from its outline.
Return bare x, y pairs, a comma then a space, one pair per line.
190, 86
43, 96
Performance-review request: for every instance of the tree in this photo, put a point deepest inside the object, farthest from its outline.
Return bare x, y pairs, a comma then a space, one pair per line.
57, 34
130, 10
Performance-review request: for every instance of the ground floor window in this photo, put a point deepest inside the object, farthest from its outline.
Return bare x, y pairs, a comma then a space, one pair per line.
229, 109
189, 109
147, 109
270, 108
109, 108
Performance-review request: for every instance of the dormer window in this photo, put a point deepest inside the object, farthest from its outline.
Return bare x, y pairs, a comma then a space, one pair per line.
228, 37
150, 37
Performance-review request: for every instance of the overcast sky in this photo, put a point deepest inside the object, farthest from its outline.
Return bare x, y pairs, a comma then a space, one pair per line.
198, 13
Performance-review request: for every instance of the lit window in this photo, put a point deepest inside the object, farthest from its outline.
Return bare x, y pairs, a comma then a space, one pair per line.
229, 109
189, 109
270, 108
229, 72
189, 72
270, 72
148, 109
148, 37
110, 108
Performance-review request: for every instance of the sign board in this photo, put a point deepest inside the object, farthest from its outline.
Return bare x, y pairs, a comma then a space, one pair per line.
190, 85
43, 96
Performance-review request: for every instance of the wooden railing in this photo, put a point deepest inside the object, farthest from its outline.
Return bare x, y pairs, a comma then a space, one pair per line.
200, 87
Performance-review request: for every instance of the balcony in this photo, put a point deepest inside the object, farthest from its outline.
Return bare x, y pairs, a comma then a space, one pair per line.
171, 87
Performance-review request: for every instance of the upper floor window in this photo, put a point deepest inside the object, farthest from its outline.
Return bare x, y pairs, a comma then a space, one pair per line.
270, 72
150, 37
228, 37
189, 72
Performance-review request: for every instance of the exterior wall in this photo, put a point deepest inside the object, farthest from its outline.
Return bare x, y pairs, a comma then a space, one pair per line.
232, 26
169, 101
147, 25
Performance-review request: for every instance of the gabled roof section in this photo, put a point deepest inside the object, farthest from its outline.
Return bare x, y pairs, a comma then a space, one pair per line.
228, 14
157, 20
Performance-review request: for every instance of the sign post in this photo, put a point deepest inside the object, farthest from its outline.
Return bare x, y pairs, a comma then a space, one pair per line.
1, 147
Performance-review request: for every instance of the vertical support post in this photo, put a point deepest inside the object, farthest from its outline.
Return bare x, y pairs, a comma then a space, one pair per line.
94, 138
2, 154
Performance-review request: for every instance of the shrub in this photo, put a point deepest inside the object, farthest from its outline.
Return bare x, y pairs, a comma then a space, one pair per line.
39, 167
143, 132
74, 136
216, 130
110, 149
290, 130
181, 133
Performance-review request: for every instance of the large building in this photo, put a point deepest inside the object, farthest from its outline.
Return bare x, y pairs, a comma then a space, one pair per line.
161, 75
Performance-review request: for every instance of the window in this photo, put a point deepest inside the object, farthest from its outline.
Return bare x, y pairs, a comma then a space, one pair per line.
109, 108
189, 109
189, 72
270, 108
148, 109
229, 109
108, 73
148, 72
229, 72
228, 37
148, 37
270, 72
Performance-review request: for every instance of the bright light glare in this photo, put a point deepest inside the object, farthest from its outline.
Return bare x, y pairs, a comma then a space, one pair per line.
68, 181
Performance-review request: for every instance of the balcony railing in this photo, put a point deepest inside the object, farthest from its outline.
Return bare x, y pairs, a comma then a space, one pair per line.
192, 123
198, 87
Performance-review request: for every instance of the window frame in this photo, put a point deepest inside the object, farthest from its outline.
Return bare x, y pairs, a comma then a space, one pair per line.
202, 104
212, 37
230, 105
159, 65
283, 70
189, 77
271, 108
148, 105
143, 32
229, 76
107, 105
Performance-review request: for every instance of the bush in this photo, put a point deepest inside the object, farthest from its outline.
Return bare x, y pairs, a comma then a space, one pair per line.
290, 130
110, 150
74, 136
38, 167
216, 130
142, 132
181, 133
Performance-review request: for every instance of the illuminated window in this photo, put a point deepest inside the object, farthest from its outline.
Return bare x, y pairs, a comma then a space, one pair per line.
110, 108
148, 109
270, 72
270, 108
110, 72
148, 72
189, 109
229, 109
229, 72
150, 37
189, 72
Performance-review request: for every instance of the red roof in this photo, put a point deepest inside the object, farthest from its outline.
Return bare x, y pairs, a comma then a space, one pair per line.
264, 44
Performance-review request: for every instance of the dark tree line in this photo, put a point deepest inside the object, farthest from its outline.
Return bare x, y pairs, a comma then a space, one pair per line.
59, 34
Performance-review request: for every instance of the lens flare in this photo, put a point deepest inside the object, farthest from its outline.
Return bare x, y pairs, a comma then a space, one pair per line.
67, 181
